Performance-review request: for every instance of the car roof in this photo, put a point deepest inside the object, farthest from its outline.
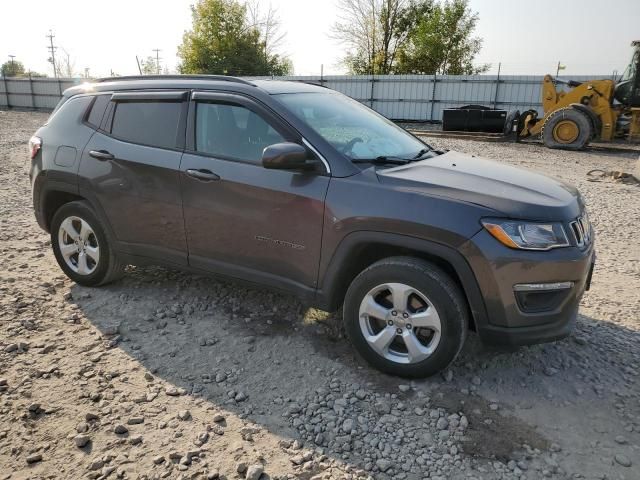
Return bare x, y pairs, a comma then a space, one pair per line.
204, 82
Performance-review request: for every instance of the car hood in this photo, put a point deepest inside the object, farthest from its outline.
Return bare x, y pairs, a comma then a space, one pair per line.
510, 191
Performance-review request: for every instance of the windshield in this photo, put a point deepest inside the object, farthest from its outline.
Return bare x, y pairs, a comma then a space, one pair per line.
353, 129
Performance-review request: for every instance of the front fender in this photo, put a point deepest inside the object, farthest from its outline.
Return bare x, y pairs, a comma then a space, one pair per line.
333, 282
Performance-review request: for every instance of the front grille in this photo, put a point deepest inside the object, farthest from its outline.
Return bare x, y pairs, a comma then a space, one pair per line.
581, 229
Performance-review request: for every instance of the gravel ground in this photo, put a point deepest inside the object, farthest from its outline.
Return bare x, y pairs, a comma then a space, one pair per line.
170, 375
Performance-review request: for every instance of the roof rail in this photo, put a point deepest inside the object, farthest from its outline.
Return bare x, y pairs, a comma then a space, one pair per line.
224, 78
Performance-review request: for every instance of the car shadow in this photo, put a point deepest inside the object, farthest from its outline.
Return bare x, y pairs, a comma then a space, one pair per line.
215, 339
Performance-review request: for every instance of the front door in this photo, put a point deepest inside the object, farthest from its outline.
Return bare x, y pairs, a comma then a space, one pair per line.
241, 219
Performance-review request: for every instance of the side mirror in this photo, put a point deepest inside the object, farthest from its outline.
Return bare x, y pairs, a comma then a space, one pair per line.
286, 156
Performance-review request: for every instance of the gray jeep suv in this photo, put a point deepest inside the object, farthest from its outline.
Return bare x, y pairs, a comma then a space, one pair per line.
301, 189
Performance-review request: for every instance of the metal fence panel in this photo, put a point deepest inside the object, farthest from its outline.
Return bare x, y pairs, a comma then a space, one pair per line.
399, 97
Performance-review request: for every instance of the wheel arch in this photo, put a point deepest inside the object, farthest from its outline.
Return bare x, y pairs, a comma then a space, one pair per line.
359, 250
55, 195
596, 123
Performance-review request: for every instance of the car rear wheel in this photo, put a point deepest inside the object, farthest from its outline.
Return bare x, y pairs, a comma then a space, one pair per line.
81, 246
406, 317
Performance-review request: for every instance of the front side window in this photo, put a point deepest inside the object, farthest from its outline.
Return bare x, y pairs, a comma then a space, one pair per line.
353, 129
233, 131
150, 123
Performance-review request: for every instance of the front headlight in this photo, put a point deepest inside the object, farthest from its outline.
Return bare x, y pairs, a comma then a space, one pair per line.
527, 235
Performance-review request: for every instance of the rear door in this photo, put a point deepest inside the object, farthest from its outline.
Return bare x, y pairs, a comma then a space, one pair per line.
131, 168
242, 219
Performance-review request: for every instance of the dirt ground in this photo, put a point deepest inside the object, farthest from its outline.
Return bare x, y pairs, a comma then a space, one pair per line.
170, 375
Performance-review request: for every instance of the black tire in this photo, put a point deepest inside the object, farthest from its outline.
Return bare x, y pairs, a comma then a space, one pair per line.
574, 119
108, 267
431, 281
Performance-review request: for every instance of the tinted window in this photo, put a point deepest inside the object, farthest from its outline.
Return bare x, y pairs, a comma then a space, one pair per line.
97, 110
233, 131
148, 123
70, 112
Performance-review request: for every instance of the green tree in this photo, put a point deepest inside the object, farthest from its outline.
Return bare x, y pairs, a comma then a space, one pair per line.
149, 66
12, 69
373, 31
440, 40
223, 41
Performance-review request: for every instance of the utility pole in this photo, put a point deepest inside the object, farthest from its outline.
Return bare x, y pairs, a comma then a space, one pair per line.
12, 57
52, 49
157, 50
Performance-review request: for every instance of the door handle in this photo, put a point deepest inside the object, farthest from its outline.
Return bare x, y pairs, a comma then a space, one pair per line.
202, 174
101, 155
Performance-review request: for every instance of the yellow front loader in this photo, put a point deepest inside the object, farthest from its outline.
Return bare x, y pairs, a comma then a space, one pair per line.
584, 111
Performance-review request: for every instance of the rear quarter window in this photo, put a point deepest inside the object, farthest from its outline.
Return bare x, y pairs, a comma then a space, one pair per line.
69, 112
150, 123
94, 118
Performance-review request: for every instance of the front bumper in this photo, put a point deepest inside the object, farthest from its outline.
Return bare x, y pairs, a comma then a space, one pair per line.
511, 320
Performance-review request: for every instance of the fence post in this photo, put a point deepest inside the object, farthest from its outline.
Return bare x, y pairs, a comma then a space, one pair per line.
33, 97
59, 86
6, 90
495, 98
433, 96
371, 95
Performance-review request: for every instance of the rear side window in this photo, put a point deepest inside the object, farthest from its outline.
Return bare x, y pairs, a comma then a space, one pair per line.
97, 110
233, 131
150, 123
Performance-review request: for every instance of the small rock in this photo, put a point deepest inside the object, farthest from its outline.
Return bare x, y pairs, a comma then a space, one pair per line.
172, 391
254, 472
621, 440
184, 414
34, 458
404, 388
622, 460
442, 423
347, 425
218, 418
220, 377
135, 421
120, 429
241, 467
158, 460
135, 440
383, 464
96, 464
81, 440
90, 416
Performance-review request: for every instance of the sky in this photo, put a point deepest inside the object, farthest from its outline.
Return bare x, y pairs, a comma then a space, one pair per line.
525, 37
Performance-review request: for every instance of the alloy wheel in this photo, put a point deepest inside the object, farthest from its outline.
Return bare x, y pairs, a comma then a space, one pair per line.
400, 323
78, 245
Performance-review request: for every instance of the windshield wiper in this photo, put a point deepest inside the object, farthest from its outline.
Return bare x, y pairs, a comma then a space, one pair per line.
382, 160
421, 153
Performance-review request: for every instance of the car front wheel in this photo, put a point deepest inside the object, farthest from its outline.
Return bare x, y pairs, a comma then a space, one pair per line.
406, 317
